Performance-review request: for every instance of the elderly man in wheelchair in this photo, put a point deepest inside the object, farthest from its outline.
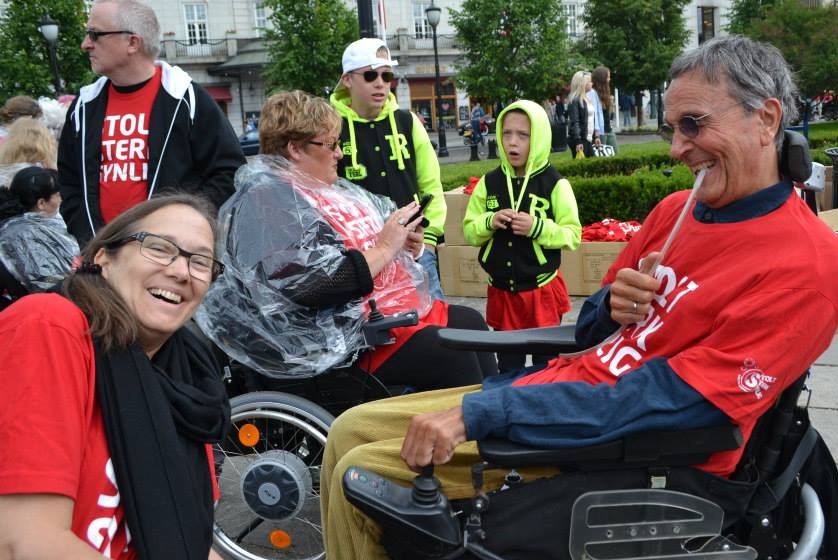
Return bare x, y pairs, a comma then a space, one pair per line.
719, 305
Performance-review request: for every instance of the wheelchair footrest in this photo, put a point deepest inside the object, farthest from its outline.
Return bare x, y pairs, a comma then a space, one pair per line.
649, 524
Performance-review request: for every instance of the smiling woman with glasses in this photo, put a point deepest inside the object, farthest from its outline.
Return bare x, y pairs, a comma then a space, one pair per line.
305, 252
113, 402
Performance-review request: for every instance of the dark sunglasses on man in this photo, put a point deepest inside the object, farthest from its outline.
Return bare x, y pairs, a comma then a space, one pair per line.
688, 125
94, 35
372, 75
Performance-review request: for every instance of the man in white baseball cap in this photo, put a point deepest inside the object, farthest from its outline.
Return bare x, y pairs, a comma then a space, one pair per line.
386, 150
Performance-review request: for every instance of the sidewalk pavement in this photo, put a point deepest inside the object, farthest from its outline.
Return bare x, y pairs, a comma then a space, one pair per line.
823, 404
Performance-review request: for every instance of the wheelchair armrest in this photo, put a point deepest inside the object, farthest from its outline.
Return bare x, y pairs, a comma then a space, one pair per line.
644, 449
545, 340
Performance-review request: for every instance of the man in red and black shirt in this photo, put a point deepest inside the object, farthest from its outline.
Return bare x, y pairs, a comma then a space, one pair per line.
142, 128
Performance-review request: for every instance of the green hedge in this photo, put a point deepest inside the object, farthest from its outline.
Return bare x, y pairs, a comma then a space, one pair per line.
624, 197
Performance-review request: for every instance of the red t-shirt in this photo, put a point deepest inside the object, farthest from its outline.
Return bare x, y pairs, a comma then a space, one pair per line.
50, 423
737, 314
123, 168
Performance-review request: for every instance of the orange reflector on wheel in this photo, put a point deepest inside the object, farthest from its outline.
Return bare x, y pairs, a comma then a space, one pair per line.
249, 435
280, 539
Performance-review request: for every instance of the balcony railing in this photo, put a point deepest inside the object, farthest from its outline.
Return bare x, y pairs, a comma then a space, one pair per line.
409, 42
207, 49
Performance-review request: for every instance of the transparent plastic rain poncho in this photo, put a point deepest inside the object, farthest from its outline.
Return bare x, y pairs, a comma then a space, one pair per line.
36, 250
281, 231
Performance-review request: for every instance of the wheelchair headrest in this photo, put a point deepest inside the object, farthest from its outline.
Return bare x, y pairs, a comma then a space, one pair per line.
795, 160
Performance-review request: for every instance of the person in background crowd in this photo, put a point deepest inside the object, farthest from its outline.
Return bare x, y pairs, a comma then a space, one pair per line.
386, 149
143, 128
750, 256
36, 251
581, 114
626, 108
477, 114
14, 108
601, 84
109, 405
29, 141
522, 215
305, 251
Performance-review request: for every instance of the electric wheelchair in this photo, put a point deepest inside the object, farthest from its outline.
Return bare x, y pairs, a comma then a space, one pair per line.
636, 497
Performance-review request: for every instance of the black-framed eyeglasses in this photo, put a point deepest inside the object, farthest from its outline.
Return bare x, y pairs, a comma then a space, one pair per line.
163, 251
94, 35
371, 75
332, 146
688, 125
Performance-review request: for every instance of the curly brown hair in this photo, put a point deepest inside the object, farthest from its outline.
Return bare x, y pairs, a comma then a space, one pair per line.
294, 116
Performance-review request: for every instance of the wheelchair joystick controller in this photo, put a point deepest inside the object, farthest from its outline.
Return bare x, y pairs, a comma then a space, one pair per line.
377, 329
375, 315
426, 488
414, 513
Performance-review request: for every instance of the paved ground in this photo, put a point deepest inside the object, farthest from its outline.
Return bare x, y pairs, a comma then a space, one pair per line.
823, 406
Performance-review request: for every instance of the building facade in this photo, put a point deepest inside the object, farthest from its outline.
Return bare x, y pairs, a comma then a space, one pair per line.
219, 43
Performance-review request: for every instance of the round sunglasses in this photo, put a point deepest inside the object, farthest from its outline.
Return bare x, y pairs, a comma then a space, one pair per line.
688, 125
372, 75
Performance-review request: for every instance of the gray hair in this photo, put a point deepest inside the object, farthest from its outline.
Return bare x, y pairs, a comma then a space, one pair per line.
139, 18
753, 71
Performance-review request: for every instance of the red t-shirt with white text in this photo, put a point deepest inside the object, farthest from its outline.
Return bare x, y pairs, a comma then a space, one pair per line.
51, 425
743, 309
123, 168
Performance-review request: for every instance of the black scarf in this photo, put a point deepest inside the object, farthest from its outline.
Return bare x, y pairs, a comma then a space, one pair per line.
158, 415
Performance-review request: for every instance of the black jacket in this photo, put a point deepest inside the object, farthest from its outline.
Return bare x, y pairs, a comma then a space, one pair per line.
577, 116
201, 154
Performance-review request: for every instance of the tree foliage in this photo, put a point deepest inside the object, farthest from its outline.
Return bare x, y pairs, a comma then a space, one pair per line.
636, 39
511, 49
306, 43
743, 12
807, 37
24, 58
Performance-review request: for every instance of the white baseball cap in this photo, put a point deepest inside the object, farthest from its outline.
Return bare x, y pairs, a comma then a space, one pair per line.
365, 52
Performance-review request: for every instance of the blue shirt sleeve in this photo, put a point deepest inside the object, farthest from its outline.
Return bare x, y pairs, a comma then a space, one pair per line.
594, 323
577, 414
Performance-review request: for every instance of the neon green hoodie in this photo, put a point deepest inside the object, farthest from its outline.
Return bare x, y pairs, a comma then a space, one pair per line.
391, 155
516, 262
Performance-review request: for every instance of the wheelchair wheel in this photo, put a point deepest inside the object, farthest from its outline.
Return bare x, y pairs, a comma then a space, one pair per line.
268, 471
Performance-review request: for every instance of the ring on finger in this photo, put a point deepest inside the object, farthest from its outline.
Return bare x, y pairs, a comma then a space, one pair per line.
402, 221
634, 306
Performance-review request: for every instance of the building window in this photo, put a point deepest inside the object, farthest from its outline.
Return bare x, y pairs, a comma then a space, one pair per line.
569, 11
196, 23
706, 24
421, 27
260, 19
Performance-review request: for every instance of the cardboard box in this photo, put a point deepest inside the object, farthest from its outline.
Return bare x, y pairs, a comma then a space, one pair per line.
825, 198
584, 268
460, 273
830, 217
456, 201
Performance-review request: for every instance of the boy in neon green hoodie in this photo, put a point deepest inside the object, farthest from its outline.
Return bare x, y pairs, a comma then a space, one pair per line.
521, 215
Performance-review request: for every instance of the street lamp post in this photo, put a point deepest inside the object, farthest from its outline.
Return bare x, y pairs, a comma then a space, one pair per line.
49, 29
433, 14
